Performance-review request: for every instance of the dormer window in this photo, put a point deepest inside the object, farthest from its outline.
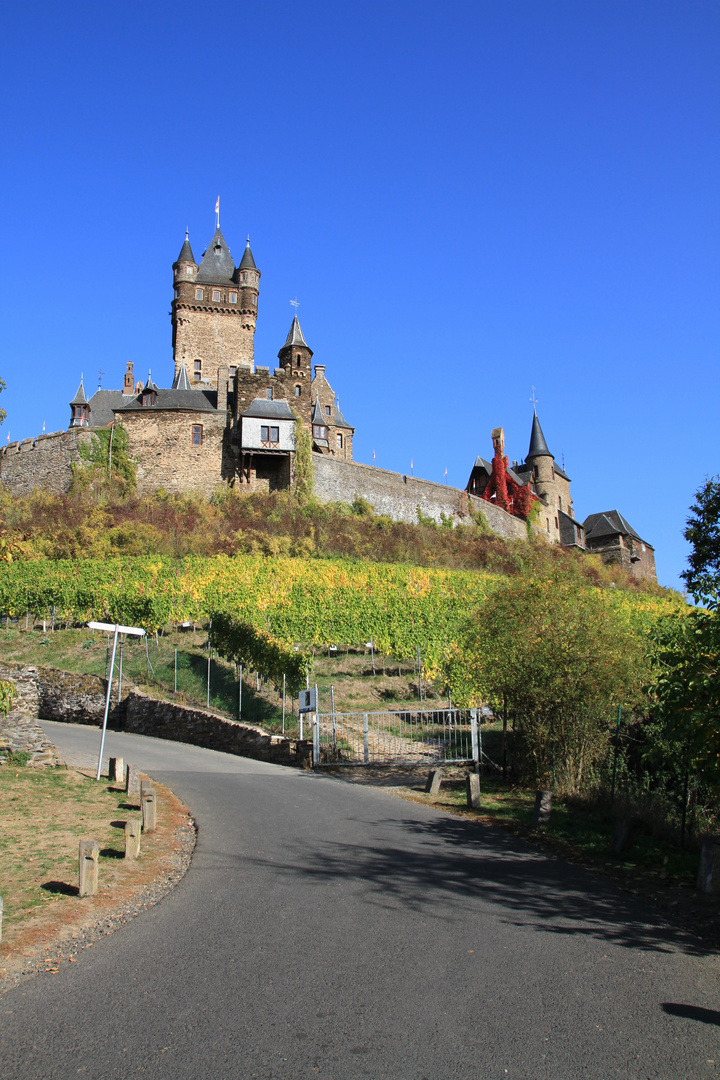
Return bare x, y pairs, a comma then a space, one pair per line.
319, 431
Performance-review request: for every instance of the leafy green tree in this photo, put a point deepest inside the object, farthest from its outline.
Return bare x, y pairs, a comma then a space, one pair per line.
560, 659
703, 532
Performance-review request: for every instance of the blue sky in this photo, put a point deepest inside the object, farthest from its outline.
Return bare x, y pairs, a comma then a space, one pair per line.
468, 200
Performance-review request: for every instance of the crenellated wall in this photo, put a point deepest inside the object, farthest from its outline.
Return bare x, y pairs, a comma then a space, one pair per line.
45, 462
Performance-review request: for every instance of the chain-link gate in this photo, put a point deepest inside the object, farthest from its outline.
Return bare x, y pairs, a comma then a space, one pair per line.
407, 737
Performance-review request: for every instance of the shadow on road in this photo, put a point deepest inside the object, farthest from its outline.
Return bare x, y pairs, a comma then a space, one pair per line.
692, 1012
451, 862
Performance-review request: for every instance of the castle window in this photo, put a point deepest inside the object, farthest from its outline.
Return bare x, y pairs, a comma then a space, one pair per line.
560, 501
269, 434
233, 298
298, 391
339, 442
197, 434
177, 293
268, 393
147, 399
198, 370
198, 294
216, 294
556, 524
319, 431
327, 410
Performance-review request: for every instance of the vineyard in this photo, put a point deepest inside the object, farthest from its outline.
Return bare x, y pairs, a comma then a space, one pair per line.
295, 601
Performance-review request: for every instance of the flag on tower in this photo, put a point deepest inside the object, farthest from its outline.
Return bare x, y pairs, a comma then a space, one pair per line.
217, 205
373, 455
43, 427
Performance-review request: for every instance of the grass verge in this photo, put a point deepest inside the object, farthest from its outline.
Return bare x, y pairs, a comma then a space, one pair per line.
46, 812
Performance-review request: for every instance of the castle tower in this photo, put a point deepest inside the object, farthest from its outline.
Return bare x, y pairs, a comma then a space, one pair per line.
214, 312
550, 481
295, 356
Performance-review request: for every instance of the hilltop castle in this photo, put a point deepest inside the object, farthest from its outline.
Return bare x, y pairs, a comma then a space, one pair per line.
226, 420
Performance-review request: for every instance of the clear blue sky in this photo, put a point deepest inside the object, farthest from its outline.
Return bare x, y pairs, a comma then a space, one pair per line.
468, 199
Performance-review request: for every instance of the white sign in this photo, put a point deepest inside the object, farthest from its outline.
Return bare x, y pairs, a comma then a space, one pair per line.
112, 627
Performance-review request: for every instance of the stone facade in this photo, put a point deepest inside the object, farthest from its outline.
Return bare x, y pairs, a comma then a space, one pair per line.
162, 445
635, 556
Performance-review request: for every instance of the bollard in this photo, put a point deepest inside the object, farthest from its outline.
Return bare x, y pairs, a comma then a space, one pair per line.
132, 783
149, 811
434, 780
709, 873
543, 809
132, 839
88, 853
472, 787
116, 770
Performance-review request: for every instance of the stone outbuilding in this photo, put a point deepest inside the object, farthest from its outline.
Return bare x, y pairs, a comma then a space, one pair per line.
610, 535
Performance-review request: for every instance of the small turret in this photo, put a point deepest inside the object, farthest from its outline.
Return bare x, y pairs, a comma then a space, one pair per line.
295, 355
540, 461
80, 407
185, 268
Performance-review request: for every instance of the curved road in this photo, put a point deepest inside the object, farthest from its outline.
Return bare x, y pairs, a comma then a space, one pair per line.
330, 930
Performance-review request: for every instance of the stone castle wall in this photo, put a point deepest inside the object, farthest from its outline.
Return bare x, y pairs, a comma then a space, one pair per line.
399, 496
45, 462
162, 445
220, 337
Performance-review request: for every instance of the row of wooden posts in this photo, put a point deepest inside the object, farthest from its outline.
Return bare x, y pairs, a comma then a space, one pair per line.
89, 850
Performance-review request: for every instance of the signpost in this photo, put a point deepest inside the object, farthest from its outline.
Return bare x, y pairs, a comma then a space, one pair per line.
115, 628
307, 703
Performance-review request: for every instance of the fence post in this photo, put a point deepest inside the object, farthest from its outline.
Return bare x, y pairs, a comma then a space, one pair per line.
120, 673
283, 729
240, 695
316, 740
176, 669
474, 738
419, 674
366, 747
208, 678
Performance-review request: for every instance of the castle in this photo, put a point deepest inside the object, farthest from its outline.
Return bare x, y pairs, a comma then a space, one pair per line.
227, 420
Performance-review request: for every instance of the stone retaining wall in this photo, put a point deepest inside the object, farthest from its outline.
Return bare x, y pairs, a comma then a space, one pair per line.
49, 694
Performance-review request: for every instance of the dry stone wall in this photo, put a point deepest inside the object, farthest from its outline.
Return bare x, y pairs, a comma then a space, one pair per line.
49, 694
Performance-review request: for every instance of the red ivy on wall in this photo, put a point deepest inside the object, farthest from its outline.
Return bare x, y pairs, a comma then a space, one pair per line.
505, 492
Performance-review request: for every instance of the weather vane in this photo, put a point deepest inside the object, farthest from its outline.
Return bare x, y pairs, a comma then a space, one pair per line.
295, 303
534, 400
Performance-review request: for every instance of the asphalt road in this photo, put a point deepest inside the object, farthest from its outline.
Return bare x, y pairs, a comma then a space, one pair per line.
330, 930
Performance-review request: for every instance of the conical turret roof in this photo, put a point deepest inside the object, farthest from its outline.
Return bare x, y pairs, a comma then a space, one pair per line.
217, 266
538, 446
295, 335
181, 381
247, 261
186, 254
80, 398
150, 386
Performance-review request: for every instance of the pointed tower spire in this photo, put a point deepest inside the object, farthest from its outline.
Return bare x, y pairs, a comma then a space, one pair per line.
79, 407
181, 380
296, 354
247, 261
538, 446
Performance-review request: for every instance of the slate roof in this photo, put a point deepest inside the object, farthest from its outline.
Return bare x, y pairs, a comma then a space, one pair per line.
295, 335
609, 523
150, 385
481, 463
538, 446
186, 254
340, 420
247, 261
181, 381
103, 405
80, 398
561, 472
217, 267
269, 410
178, 400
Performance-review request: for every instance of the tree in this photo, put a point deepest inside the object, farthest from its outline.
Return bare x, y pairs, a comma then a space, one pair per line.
703, 532
560, 658
101, 465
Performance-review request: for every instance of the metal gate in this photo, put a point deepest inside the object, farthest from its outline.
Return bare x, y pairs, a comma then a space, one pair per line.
396, 738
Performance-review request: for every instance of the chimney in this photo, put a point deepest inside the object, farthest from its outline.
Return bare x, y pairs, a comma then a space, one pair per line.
319, 371
129, 382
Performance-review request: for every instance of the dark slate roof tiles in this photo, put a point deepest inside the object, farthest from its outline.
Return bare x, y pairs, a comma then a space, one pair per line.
538, 446
270, 410
217, 267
